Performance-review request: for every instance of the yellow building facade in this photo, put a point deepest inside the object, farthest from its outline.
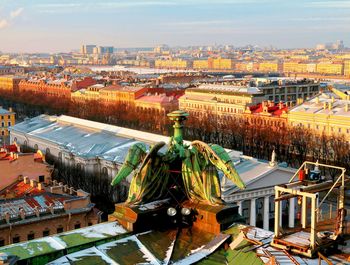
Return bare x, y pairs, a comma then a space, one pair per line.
200, 64
178, 63
219, 99
268, 66
220, 63
329, 68
7, 119
328, 113
347, 68
9, 83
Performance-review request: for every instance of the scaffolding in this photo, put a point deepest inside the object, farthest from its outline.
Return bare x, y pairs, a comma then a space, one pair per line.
318, 232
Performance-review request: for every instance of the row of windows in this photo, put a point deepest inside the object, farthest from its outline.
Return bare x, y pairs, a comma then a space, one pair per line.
323, 127
3, 124
31, 236
206, 107
3, 117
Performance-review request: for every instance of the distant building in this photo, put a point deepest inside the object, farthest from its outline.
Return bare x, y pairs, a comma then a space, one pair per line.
121, 94
157, 104
347, 68
7, 119
10, 83
267, 114
327, 113
11, 70
90, 93
270, 66
173, 63
87, 49
219, 99
287, 90
55, 88
330, 68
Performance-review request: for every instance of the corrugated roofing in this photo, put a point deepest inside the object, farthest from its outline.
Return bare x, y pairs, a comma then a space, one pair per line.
85, 138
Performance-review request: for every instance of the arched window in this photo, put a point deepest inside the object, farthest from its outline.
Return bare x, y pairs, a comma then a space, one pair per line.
104, 171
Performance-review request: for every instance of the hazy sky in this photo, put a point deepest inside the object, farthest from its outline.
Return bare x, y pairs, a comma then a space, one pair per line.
62, 25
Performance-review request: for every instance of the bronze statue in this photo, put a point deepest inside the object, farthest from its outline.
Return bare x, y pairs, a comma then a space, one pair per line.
196, 165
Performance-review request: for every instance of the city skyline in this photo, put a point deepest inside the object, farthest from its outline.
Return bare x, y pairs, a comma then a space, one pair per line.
60, 26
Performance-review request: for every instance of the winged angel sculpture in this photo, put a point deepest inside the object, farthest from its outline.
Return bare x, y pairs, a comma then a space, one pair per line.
196, 165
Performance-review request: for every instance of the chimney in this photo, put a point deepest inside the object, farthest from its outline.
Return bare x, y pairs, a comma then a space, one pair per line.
7, 217
330, 106
26, 180
324, 105
22, 213
37, 212
51, 208
317, 100
280, 105
10, 109
33, 183
40, 186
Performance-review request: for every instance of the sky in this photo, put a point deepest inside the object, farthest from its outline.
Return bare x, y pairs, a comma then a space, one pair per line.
63, 25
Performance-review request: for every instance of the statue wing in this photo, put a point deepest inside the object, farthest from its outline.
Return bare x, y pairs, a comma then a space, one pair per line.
221, 160
153, 152
134, 157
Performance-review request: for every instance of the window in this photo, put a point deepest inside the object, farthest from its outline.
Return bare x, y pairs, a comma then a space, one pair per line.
9, 123
15, 239
46, 232
2, 242
89, 224
41, 178
31, 236
77, 226
59, 230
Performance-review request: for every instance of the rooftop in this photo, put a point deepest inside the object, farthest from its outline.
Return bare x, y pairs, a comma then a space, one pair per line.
86, 138
5, 111
212, 88
326, 103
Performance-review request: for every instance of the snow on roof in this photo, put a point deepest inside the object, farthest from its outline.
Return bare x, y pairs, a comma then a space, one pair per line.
86, 138
320, 105
46, 245
229, 88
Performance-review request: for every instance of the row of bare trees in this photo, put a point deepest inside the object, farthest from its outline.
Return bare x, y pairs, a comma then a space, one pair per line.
291, 144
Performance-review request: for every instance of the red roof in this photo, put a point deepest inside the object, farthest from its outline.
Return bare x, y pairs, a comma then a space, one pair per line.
273, 109
20, 189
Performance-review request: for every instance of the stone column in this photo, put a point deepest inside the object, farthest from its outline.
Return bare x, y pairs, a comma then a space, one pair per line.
252, 220
240, 207
291, 212
266, 219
